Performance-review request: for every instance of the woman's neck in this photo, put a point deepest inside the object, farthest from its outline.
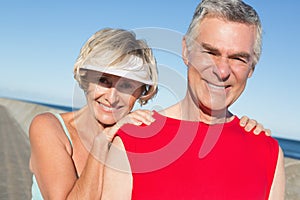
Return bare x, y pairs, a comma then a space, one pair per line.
86, 125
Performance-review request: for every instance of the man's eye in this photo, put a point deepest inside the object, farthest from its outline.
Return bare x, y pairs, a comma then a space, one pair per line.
240, 59
209, 52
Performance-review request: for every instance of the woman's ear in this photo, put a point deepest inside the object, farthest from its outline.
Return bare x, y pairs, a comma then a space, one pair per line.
184, 51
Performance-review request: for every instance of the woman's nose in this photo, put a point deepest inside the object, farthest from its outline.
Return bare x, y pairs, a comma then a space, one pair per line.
112, 95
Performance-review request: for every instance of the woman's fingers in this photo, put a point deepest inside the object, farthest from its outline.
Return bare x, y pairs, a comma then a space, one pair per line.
243, 121
142, 116
137, 118
247, 123
250, 124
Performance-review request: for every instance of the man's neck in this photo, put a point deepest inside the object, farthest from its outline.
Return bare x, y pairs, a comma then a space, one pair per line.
186, 109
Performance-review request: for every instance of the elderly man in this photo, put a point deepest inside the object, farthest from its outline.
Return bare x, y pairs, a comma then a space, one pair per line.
196, 149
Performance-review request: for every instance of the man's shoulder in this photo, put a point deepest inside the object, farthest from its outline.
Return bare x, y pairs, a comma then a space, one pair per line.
250, 138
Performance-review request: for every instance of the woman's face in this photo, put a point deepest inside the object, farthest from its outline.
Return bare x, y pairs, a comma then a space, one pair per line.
111, 97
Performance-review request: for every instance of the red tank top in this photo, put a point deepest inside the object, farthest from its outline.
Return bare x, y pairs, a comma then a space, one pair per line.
174, 159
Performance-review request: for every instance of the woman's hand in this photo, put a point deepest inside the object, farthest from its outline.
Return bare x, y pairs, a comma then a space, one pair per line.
249, 124
137, 118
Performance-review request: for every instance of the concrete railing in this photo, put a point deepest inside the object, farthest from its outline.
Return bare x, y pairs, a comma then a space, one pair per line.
23, 112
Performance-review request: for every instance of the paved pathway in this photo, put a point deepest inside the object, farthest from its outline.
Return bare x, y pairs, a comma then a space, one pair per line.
14, 158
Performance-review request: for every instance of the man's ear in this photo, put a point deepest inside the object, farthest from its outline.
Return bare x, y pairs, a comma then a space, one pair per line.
251, 71
184, 51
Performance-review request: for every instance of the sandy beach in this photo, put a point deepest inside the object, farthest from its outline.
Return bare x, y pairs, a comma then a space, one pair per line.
15, 177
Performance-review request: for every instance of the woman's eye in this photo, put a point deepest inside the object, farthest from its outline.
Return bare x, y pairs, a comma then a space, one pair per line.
126, 85
103, 81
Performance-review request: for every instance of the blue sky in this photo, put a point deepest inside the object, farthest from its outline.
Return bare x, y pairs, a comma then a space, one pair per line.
40, 41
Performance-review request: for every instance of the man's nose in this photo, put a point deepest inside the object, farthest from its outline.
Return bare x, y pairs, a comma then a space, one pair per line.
223, 68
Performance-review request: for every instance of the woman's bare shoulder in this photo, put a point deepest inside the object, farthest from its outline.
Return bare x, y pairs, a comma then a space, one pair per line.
43, 121
46, 127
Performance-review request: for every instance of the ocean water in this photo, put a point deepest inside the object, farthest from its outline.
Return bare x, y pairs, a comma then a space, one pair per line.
291, 148
60, 107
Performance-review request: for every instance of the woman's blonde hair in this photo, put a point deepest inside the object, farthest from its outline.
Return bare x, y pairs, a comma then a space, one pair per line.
110, 47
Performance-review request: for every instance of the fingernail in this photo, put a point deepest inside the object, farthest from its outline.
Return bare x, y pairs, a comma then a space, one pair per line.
247, 129
138, 123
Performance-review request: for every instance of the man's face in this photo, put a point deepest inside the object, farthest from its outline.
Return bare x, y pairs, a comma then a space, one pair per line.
220, 62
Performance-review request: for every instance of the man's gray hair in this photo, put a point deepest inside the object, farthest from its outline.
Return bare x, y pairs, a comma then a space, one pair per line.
231, 10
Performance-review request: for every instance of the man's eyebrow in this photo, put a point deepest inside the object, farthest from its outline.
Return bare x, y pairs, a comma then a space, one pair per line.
209, 47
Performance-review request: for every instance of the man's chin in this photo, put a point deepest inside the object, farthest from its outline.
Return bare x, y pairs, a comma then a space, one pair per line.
216, 109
